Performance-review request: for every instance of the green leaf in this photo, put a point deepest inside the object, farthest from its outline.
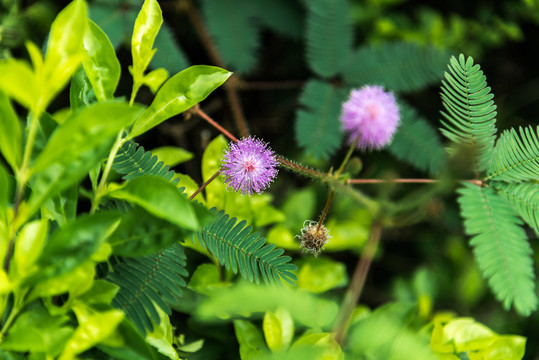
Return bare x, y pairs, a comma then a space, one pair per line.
329, 36
93, 328
100, 62
141, 233
500, 246
325, 343
101, 292
516, 158
35, 330
85, 130
10, 133
76, 242
398, 66
525, 200
81, 93
245, 298
64, 49
28, 248
417, 143
147, 26
278, 329
172, 155
470, 116
234, 32
19, 82
160, 198
321, 274
179, 93
318, 128
154, 79
170, 55
4, 196
252, 345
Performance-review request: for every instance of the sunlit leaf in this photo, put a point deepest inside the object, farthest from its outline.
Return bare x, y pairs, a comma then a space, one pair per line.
10, 133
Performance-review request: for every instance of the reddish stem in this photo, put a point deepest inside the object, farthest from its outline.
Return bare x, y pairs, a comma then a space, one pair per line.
215, 124
405, 181
204, 185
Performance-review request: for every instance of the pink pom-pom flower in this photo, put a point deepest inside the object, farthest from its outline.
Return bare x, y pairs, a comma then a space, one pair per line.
249, 165
370, 117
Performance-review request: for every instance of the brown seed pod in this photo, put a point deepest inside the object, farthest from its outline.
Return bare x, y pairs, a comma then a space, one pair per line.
312, 237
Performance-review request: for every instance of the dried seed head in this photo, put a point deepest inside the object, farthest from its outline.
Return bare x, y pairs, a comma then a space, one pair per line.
312, 237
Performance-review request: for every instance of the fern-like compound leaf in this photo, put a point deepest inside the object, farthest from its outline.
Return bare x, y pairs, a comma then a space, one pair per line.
246, 253
147, 282
329, 36
399, 66
525, 200
318, 128
516, 158
236, 35
417, 142
470, 114
133, 161
500, 246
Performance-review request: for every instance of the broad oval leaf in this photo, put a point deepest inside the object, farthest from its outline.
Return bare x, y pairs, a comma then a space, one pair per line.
147, 25
10, 133
160, 198
100, 62
64, 49
85, 130
18, 81
28, 247
182, 91
75, 243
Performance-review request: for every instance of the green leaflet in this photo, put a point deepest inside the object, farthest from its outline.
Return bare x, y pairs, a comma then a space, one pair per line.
100, 62
238, 249
470, 114
179, 93
417, 143
147, 282
19, 82
160, 198
329, 36
525, 200
500, 246
399, 66
318, 128
516, 158
234, 31
71, 245
10, 133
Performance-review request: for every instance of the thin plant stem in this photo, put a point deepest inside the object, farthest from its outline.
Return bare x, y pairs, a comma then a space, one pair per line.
215, 124
346, 158
325, 212
353, 293
231, 85
404, 181
99, 192
204, 185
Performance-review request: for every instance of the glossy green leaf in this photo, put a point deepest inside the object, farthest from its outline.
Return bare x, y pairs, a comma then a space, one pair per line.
162, 337
4, 195
172, 155
325, 343
100, 62
140, 233
64, 49
71, 245
74, 282
84, 131
322, 274
28, 247
206, 279
182, 91
101, 292
160, 198
81, 93
62, 207
155, 78
252, 345
36, 330
278, 329
10, 133
147, 26
19, 82
93, 328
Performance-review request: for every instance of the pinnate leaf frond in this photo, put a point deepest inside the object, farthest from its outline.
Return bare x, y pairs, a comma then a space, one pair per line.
516, 158
147, 282
500, 246
525, 200
470, 113
238, 249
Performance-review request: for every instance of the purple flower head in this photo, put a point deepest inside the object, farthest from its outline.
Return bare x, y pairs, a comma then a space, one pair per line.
370, 117
249, 165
